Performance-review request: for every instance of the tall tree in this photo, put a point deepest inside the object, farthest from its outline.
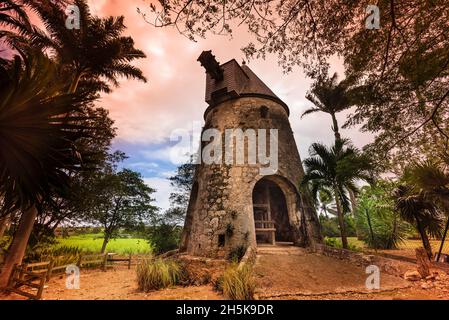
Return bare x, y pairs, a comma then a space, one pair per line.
336, 169
165, 232
96, 55
325, 203
120, 199
37, 149
331, 97
182, 183
415, 208
432, 178
73, 207
378, 223
14, 16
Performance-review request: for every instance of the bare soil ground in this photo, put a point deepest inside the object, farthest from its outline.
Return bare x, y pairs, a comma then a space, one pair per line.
292, 273
117, 284
281, 273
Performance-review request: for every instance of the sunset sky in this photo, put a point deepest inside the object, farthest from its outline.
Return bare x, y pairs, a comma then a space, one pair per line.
146, 113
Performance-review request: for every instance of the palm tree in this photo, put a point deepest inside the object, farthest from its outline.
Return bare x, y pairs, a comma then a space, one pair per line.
16, 22
331, 97
13, 15
415, 208
325, 203
432, 178
336, 169
37, 148
96, 54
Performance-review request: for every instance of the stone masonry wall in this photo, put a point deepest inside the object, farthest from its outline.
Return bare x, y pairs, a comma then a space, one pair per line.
222, 217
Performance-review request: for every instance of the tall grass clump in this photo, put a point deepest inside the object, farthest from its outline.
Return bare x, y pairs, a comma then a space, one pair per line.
236, 254
238, 284
154, 274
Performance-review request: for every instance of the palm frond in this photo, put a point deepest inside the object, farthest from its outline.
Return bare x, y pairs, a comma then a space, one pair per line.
37, 139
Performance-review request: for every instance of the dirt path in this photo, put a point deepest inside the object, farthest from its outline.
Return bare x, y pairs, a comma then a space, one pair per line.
117, 284
292, 273
281, 273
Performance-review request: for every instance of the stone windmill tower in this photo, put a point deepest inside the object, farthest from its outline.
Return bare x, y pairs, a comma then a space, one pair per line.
233, 206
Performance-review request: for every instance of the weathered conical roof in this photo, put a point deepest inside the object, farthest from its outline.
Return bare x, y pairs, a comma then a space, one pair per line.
235, 81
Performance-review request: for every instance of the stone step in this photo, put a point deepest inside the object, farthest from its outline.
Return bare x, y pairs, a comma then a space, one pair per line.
280, 250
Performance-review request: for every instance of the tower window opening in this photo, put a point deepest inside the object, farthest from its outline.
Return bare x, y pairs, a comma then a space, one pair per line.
264, 112
221, 240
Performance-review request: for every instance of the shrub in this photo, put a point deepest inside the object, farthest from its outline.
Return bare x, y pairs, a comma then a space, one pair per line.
331, 242
164, 237
330, 227
336, 242
217, 284
229, 230
154, 274
61, 255
4, 244
378, 224
236, 254
237, 284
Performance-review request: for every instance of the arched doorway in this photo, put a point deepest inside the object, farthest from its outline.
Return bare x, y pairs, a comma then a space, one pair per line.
271, 216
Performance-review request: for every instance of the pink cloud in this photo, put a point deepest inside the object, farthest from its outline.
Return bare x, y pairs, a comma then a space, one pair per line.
174, 94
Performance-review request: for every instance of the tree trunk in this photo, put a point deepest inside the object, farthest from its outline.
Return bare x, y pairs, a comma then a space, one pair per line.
423, 262
105, 243
335, 127
424, 238
341, 222
3, 225
443, 239
75, 82
371, 229
353, 201
18, 246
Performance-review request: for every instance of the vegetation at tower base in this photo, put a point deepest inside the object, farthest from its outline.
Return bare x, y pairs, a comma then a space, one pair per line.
238, 283
155, 273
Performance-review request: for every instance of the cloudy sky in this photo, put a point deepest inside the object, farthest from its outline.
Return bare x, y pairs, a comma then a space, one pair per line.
147, 113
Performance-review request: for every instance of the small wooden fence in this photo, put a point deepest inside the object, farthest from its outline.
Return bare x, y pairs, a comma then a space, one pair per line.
25, 275
33, 276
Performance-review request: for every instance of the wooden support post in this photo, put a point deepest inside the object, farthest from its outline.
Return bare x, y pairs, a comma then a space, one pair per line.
41, 287
23, 268
423, 262
105, 261
50, 269
268, 218
78, 264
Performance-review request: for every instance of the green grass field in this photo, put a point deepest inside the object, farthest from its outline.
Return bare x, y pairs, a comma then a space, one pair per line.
406, 245
93, 243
